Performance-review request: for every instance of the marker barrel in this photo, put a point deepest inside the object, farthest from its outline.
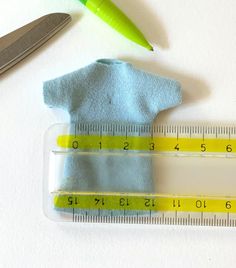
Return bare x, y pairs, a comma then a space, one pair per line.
114, 17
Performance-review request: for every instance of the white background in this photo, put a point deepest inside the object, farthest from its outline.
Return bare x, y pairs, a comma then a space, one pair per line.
195, 42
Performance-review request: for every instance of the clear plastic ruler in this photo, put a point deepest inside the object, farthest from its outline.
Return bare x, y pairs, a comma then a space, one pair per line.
193, 174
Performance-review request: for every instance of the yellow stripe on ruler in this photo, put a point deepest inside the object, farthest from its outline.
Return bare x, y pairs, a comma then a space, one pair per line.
144, 202
159, 144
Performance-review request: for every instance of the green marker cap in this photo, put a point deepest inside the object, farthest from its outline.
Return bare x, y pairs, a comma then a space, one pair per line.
113, 16
83, 1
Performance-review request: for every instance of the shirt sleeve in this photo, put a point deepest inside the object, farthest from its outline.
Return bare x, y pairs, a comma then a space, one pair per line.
66, 91
169, 93
160, 93
57, 92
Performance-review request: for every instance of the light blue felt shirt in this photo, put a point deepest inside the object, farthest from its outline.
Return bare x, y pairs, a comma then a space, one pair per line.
110, 91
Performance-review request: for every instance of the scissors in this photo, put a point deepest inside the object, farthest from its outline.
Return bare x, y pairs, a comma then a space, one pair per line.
18, 44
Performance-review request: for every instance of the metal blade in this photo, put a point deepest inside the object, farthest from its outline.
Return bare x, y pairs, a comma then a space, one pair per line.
18, 44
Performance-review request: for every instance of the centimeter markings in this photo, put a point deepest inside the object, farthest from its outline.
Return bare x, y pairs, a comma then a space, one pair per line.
144, 202
160, 138
150, 208
163, 218
154, 209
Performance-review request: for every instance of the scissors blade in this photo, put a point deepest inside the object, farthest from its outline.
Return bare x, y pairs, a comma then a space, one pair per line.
18, 44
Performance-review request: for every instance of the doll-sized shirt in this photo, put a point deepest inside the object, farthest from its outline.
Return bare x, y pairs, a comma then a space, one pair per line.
110, 91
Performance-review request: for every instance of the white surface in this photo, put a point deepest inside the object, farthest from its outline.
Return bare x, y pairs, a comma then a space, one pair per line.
195, 43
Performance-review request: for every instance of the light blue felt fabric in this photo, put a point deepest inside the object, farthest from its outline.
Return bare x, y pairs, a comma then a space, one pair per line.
110, 91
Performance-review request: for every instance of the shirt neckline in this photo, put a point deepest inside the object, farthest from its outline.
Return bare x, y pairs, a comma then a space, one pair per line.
112, 62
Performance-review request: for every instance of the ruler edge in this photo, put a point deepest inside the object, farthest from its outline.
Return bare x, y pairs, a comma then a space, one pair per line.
224, 128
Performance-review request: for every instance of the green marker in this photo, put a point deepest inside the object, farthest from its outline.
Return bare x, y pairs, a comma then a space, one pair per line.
113, 16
